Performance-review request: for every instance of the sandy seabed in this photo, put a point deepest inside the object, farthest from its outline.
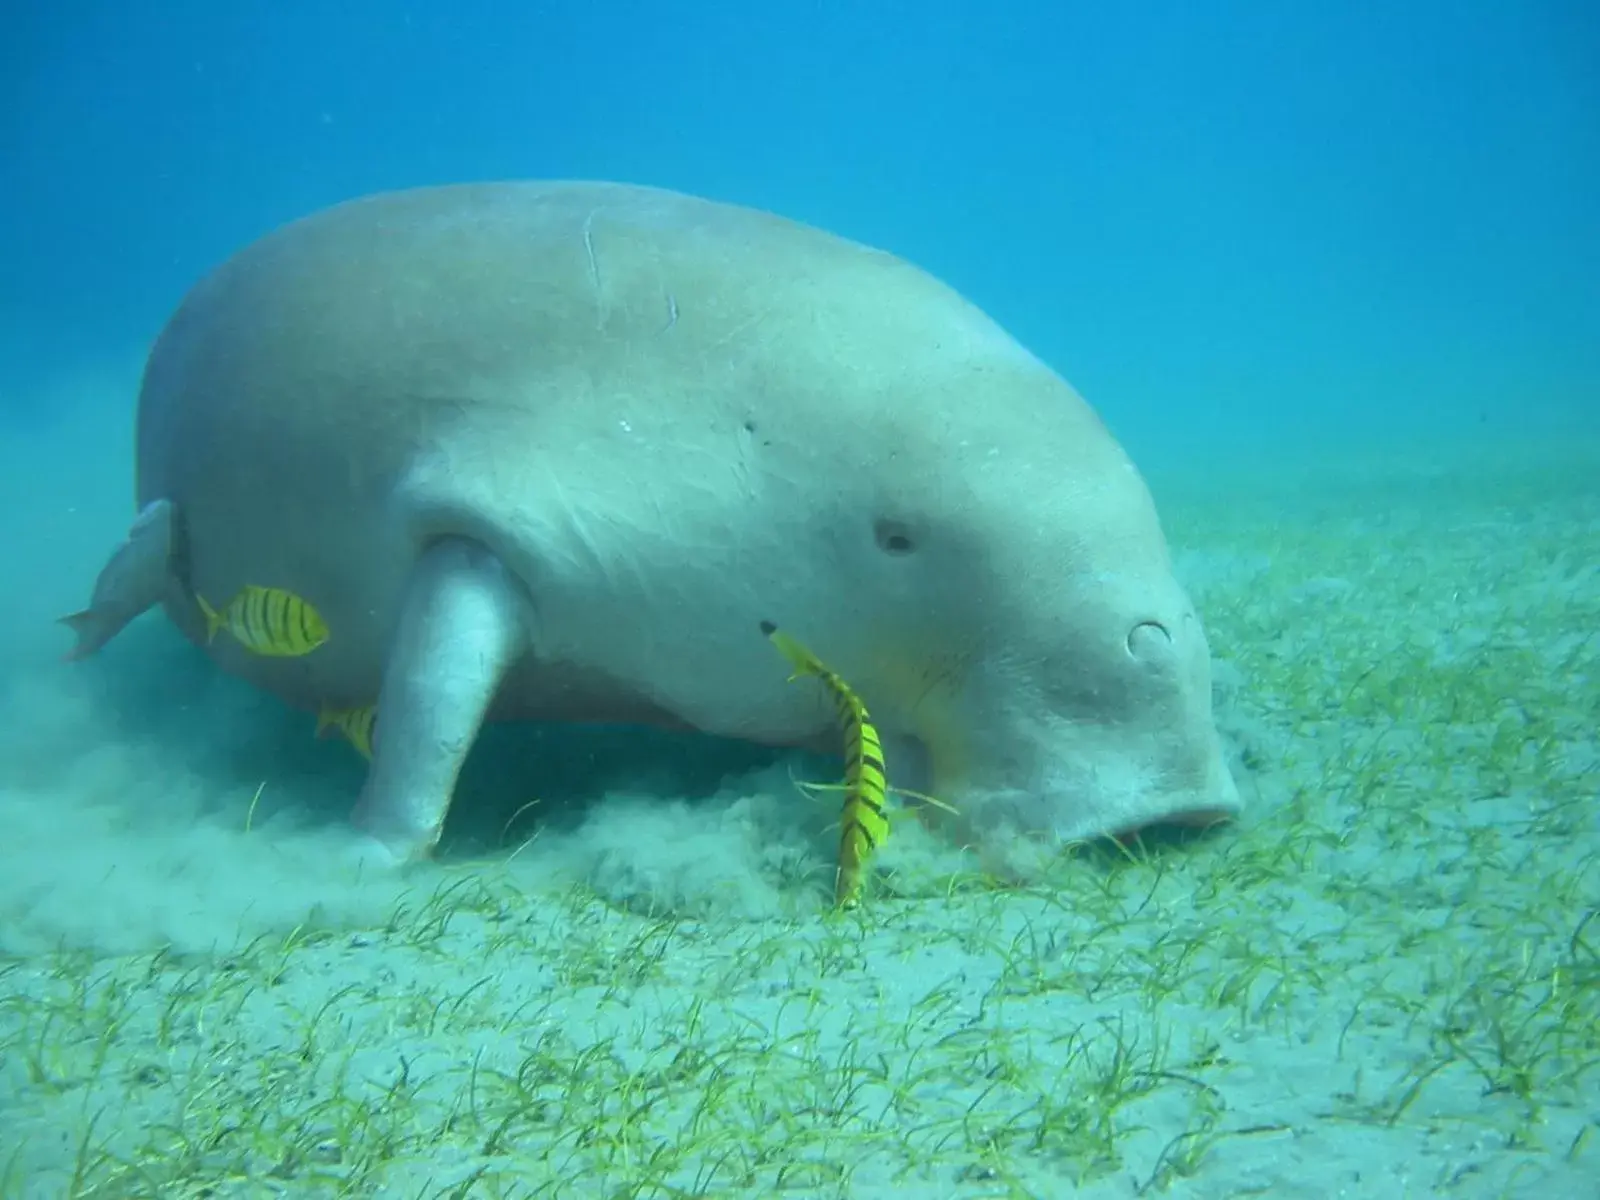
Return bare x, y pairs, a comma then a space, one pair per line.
1384, 981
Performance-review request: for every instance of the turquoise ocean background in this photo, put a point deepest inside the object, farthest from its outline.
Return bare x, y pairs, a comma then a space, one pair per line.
1229, 224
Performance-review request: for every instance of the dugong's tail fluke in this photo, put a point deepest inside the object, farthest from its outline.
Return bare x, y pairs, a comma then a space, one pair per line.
137, 577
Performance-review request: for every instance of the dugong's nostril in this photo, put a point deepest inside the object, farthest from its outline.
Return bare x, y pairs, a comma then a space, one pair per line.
1148, 640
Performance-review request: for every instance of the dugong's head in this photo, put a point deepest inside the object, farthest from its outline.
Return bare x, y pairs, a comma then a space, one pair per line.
1013, 621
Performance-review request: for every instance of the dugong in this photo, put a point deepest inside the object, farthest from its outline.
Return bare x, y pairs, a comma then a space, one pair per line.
556, 450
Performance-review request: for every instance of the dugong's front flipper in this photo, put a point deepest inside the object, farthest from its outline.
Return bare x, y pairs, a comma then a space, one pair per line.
465, 621
137, 577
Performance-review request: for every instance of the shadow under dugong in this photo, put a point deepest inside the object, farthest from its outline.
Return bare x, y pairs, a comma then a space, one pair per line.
556, 450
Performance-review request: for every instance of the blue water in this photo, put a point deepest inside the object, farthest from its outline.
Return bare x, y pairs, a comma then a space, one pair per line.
1251, 234
1231, 225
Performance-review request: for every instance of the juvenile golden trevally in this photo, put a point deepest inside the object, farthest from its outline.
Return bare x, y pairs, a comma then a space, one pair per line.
267, 621
864, 825
355, 723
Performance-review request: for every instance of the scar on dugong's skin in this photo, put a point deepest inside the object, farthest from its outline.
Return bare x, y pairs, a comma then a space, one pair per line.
554, 450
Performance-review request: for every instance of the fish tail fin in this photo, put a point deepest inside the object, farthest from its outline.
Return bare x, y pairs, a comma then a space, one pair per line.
848, 884
856, 845
213, 618
361, 730
326, 720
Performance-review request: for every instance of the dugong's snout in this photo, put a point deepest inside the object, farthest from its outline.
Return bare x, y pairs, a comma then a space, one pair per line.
1134, 740
1110, 732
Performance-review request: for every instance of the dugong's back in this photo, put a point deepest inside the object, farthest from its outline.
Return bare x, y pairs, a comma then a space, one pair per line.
335, 346
308, 378
352, 332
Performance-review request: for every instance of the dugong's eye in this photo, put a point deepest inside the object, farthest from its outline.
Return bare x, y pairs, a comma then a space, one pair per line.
893, 537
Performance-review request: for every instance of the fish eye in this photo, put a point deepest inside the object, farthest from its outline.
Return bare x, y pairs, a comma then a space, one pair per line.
893, 537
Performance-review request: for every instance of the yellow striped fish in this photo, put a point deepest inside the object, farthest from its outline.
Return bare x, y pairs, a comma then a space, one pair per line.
267, 621
355, 723
865, 823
